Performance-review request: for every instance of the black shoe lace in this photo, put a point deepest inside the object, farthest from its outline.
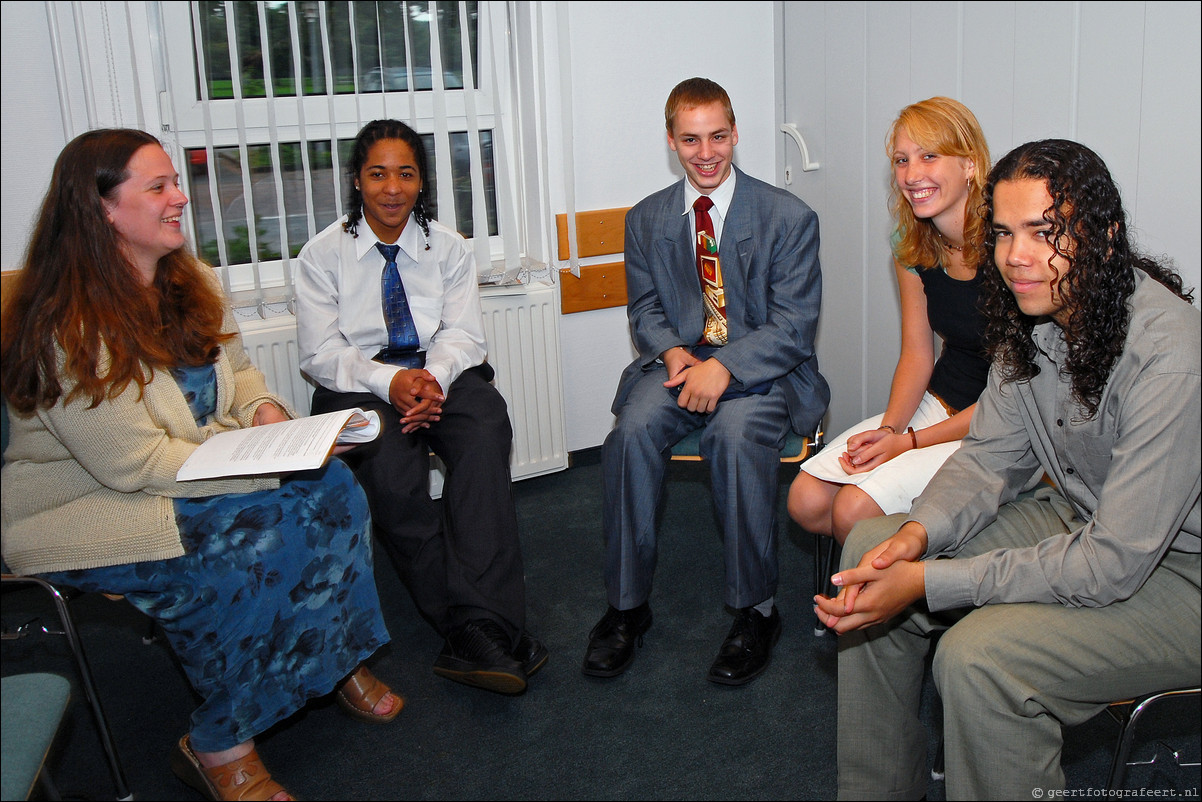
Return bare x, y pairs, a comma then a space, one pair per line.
484, 638
744, 629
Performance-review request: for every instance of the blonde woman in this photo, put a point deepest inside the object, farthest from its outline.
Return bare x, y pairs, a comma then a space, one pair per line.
940, 161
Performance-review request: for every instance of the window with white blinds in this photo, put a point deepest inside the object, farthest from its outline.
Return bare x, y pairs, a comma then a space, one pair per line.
264, 99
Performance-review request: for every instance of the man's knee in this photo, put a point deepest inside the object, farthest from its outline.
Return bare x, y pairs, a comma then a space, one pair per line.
866, 535
979, 653
639, 429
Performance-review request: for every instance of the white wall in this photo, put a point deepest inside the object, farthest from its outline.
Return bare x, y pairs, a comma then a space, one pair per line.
1122, 78
625, 59
31, 125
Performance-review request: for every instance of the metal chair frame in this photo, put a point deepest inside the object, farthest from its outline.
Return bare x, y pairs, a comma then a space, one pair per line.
61, 598
1127, 714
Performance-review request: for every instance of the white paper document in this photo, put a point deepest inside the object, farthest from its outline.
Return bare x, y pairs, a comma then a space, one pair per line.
295, 445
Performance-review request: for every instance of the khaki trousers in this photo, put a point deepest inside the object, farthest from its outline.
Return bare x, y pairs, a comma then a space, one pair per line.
1010, 676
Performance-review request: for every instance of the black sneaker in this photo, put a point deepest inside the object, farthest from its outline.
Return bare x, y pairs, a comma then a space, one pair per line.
477, 654
531, 653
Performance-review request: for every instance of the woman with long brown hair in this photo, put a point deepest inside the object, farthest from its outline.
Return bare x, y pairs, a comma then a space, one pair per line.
120, 357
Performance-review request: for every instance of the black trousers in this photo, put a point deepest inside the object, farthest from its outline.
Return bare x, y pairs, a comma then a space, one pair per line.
460, 559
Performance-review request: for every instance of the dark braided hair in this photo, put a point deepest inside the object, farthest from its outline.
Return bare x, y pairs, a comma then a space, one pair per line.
1089, 234
372, 133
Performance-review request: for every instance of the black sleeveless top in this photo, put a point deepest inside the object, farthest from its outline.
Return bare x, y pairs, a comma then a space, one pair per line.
961, 371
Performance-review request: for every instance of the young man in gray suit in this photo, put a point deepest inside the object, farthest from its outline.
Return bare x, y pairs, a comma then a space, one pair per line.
1061, 600
724, 286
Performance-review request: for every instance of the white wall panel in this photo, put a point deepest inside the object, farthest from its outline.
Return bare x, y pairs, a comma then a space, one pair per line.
1167, 210
933, 45
988, 71
902, 49
32, 133
1109, 121
1120, 77
1044, 45
841, 211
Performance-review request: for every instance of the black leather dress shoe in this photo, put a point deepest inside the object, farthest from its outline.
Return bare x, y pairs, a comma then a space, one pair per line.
531, 653
477, 654
611, 643
747, 649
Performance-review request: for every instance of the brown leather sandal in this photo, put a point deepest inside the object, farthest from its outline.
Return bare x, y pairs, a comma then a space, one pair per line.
360, 694
240, 780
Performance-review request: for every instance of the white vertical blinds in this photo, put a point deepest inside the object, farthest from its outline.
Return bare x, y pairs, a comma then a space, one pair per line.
264, 106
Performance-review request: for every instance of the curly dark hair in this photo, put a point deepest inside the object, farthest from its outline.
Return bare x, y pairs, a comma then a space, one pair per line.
1089, 233
372, 133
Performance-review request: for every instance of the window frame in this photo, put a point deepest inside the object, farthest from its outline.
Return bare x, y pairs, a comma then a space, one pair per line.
330, 118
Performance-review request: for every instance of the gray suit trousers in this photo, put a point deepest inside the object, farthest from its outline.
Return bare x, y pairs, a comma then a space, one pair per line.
1010, 676
741, 443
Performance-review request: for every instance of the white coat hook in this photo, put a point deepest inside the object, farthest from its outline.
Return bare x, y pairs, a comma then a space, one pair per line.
807, 166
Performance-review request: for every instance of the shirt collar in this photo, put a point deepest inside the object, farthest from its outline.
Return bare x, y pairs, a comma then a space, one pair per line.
721, 196
412, 239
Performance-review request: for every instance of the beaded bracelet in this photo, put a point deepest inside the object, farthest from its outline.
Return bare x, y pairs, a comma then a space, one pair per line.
888, 427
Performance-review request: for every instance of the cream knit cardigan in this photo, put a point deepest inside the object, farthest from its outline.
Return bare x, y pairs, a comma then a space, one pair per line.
84, 488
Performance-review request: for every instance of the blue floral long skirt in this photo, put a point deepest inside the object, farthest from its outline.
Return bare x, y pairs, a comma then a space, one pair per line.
273, 604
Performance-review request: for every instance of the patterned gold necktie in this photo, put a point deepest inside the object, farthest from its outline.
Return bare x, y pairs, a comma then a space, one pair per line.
709, 270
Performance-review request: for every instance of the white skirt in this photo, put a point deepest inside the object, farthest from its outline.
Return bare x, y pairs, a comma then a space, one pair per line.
895, 484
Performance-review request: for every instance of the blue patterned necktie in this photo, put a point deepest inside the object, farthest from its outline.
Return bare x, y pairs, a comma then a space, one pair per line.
402, 333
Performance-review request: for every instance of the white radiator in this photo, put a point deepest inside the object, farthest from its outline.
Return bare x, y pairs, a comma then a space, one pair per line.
271, 345
522, 329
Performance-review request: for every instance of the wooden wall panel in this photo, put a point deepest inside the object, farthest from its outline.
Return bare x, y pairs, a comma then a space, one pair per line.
599, 232
599, 287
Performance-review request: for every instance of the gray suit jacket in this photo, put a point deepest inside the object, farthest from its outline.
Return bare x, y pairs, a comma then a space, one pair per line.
773, 286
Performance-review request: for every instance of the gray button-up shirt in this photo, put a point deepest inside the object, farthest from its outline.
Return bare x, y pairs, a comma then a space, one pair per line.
1131, 472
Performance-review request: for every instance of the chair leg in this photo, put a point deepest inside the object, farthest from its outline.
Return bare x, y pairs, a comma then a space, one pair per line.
152, 633
1122, 750
819, 560
825, 551
1127, 721
937, 772
89, 688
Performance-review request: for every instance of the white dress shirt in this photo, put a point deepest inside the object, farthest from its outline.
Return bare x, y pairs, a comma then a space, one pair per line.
722, 196
340, 314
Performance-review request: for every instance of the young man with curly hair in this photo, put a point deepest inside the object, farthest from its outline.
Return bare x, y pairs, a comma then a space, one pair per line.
1061, 596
